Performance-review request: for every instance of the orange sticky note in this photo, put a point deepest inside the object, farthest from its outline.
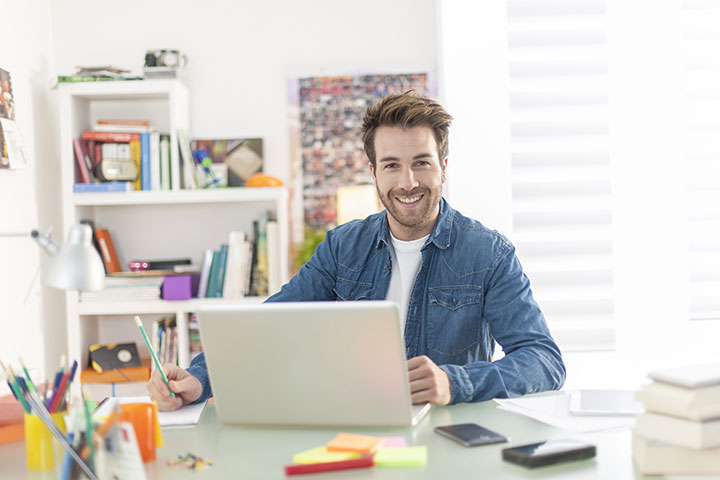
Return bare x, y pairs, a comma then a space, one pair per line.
351, 442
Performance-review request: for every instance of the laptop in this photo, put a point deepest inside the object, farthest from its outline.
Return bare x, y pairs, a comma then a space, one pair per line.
308, 364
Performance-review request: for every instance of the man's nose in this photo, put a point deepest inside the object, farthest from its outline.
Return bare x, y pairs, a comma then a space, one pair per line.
408, 180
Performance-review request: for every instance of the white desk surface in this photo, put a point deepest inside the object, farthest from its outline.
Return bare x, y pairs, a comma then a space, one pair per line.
261, 453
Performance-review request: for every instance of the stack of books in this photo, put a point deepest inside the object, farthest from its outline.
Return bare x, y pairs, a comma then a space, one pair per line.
142, 287
680, 431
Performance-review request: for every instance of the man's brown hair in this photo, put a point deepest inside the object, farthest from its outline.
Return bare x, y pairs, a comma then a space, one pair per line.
406, 110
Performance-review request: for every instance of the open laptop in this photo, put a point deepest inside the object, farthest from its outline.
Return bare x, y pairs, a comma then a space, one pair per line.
308, 363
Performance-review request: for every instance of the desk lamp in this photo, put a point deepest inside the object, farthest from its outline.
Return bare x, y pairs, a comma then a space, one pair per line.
76, 265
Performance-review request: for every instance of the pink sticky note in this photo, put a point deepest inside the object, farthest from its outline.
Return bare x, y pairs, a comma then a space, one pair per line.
394, 442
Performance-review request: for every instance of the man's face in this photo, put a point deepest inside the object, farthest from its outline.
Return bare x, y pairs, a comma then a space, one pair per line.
409, 177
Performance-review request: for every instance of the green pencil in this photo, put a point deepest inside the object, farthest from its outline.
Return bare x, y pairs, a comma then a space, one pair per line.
27, 374
15, 387
154, 355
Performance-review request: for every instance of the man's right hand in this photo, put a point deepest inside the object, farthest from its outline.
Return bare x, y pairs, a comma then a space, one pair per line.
186, 387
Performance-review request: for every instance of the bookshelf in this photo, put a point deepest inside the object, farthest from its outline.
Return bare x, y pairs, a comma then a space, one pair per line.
149, 224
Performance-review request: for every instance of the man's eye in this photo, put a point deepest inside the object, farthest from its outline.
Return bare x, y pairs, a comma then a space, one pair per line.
390, 165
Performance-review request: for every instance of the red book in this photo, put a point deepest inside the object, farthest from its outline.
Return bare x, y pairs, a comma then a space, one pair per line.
80, 157
140, 123
362, 462
107, 251
119, 137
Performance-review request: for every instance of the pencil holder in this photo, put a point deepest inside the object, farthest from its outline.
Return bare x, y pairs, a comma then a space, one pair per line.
42, 451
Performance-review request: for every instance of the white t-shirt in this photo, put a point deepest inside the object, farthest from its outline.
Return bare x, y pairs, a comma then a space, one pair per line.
406, 259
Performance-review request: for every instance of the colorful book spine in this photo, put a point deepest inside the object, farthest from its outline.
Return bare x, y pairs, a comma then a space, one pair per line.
103, 187
107, 249
145, 181
136, 158
120, 137
80, 158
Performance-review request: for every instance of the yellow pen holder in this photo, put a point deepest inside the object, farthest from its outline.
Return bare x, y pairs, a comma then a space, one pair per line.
42, 451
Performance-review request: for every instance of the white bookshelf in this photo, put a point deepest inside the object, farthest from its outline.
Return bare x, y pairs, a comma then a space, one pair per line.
149, 224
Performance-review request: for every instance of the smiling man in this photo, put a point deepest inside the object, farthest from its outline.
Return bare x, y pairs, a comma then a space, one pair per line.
459, 285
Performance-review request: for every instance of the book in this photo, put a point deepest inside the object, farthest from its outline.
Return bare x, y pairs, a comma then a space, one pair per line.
657, 458
188, 163
107, 249
678, 431
691, 403
273, 257
103, 187
221, 270
117, 137
81, 163
261, 267
145, 180
232, 286
165, 173
691, 376
212, 276
154, 161
205, 273
91, 224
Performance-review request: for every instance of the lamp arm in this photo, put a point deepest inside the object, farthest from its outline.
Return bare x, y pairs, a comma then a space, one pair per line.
44, 240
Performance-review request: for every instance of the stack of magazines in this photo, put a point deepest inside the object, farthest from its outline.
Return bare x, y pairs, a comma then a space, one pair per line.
126, 288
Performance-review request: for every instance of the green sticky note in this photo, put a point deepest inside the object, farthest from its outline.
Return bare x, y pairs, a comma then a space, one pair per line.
321, 455
401, 457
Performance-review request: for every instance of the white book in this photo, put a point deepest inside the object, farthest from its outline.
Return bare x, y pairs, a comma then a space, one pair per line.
657, 458
690, 403
165, 162
233, 266
690, 376
188, 164
273, 257
154, 161
679, 431
246, 267
205, 273
110, 151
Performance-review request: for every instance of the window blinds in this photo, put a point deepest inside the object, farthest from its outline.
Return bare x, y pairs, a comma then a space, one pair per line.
701, 48
561, 186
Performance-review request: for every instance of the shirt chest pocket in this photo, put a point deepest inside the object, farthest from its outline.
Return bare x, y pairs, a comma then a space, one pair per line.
454, 318
350, 290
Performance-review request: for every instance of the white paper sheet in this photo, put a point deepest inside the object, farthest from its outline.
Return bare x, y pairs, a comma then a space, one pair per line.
554, 409
187, 416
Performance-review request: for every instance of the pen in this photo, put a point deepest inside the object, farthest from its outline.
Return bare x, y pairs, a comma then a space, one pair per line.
362, 462
153, 354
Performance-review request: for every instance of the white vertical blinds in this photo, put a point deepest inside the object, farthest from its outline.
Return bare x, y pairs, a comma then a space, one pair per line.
701, 48
561, 185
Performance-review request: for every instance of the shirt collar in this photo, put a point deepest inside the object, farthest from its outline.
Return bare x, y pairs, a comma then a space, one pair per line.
440, 235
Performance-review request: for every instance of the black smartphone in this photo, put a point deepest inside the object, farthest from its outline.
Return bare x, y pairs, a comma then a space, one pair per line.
548, 453
470, 434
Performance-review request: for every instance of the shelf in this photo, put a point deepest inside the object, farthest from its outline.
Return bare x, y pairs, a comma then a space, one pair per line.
214, 195
121, 90
157, 306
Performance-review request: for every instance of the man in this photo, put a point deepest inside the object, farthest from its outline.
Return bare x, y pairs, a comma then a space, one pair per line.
459, 285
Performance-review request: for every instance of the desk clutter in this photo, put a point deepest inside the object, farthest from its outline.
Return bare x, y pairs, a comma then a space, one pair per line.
349, 451
679, 433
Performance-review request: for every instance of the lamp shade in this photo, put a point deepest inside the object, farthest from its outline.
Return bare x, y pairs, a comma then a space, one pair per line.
76, 265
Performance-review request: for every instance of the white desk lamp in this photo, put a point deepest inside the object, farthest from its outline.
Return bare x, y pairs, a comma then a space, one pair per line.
76, 265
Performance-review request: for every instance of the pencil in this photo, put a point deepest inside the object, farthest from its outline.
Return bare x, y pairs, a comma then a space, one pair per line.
154, 355
27, 374
15, 387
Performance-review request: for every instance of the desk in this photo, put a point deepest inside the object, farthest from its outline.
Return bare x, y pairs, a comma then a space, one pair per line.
261, 453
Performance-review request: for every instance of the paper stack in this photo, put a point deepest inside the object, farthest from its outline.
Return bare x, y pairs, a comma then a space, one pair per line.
680, 431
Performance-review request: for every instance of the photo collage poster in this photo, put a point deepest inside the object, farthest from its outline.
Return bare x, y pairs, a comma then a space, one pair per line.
331, 109
7, 112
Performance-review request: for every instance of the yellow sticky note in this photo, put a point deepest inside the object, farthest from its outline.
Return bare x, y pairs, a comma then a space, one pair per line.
321, 455
401, 457
351, 442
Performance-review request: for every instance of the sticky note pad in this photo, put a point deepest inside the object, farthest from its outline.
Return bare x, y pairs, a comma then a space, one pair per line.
321, 455
393, 442
401, 457
351, 442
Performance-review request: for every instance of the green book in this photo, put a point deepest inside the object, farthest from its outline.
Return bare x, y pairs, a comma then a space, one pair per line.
212, 276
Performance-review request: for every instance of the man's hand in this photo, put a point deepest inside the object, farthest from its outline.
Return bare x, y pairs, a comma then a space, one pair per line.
187, 388
428, 382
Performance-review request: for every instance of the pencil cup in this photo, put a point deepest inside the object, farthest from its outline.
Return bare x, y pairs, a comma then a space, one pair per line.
42, 451
142, 417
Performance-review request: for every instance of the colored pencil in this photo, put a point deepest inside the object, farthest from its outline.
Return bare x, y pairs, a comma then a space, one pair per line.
27, 374
362, 462
57, 395
15, 387
153, 354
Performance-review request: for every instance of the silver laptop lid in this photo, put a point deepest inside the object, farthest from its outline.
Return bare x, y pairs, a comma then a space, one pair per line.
307, 363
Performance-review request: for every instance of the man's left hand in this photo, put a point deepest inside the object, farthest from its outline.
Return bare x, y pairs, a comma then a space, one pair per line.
428, 382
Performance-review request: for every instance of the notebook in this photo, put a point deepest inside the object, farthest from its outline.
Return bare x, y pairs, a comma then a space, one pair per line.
308, 363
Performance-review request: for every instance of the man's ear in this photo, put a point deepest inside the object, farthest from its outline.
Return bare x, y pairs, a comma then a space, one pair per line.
443, 167
372, 170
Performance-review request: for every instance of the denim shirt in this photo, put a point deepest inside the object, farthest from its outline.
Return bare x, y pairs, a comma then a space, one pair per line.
470, 291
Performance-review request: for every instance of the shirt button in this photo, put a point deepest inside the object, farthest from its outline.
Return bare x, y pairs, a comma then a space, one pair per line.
454, 302
387, 267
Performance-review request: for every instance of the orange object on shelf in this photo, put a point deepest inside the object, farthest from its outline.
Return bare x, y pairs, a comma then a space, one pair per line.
120, 375
262, 180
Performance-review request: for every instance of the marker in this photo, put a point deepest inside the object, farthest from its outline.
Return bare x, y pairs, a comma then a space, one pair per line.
154, 355
362, 462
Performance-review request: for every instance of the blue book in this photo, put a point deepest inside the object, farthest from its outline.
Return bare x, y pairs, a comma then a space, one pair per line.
145, 181
103, 187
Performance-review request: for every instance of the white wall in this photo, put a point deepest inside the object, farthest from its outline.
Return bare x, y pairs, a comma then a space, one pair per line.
241, 52
25, 39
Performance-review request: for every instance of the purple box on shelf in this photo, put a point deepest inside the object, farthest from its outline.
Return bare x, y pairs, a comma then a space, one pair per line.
177, 287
